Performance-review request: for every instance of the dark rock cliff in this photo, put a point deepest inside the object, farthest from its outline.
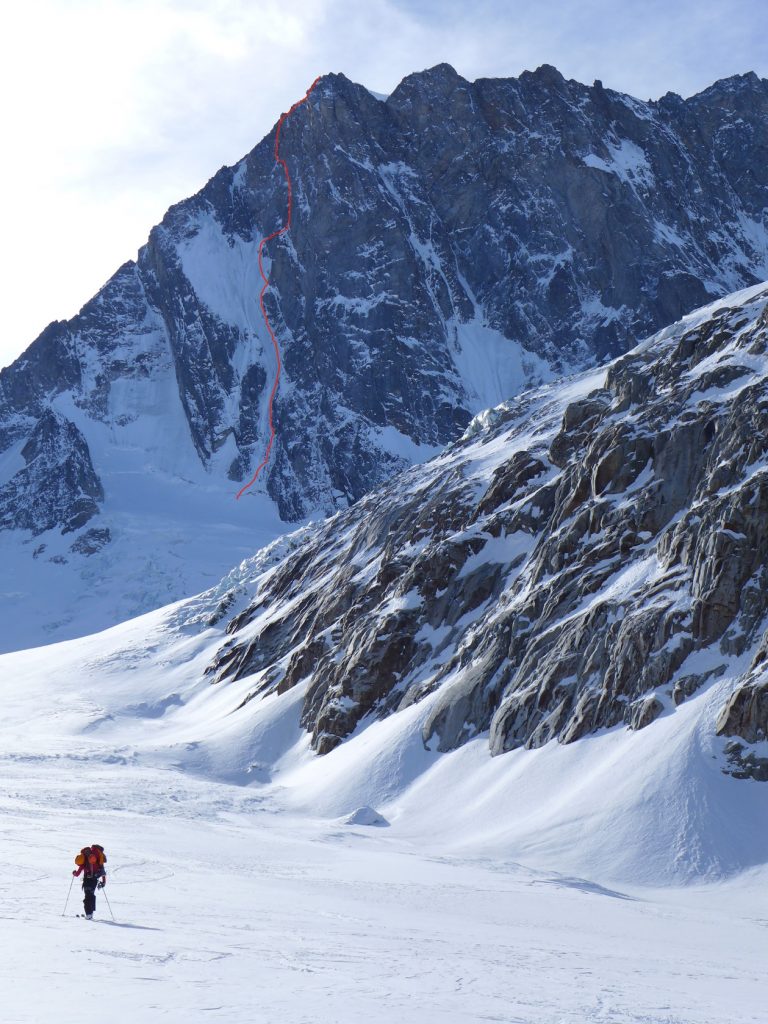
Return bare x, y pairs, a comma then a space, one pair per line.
449, 247
588, 556
57, 487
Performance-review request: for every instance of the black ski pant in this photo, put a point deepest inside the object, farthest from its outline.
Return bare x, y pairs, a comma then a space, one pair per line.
89, 888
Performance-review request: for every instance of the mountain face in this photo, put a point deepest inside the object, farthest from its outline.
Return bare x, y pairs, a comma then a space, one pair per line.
587, 556
58, 487
449, 247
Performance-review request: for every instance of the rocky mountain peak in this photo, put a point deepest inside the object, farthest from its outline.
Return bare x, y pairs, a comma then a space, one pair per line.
546, 75
449, 247
440, 79
734, 86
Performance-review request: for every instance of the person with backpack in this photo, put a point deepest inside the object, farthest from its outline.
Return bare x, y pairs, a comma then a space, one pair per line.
90, 863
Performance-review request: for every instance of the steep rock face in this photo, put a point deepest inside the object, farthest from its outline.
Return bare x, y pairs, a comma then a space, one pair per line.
592, 203
429, 229
746, 714
585, 557
448, 247
57, 487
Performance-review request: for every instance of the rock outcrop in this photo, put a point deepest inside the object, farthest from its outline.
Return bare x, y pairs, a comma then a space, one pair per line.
586, 557
57, 487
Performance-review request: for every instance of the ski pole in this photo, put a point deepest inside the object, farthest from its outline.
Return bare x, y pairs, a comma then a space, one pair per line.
104, 894
67, 899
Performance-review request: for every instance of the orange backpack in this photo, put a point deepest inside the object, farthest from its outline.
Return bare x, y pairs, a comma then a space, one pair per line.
92, 859
98, 851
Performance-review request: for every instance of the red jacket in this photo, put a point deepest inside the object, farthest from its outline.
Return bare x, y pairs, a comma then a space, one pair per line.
91, 866
98, 872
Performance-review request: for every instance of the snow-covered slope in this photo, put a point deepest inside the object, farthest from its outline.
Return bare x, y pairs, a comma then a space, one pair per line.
401, 635
229, 908
589, 555
406, 871
158, 536
449, 247
647, 807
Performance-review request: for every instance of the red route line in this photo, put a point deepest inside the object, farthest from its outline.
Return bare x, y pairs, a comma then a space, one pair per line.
275, 234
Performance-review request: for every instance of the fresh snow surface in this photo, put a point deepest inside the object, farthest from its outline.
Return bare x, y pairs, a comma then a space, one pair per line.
252, 881
492, 366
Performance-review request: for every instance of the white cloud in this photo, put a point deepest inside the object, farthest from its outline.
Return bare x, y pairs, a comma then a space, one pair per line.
114, 109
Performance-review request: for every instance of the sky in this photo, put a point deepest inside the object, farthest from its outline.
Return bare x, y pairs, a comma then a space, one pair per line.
112, 110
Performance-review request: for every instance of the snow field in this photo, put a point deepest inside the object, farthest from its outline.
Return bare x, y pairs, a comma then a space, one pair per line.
504, 889
229, 908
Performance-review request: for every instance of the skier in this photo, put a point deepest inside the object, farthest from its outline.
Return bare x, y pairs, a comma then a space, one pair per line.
90, 862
